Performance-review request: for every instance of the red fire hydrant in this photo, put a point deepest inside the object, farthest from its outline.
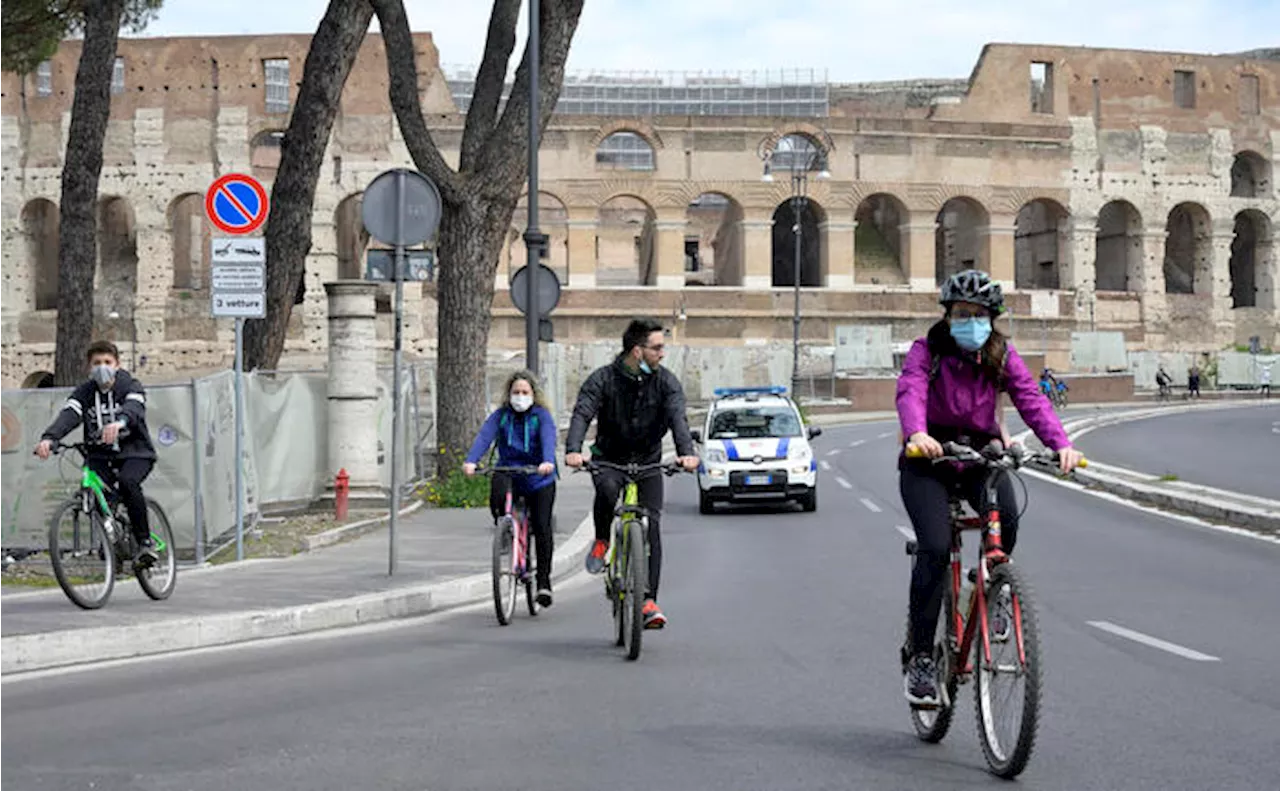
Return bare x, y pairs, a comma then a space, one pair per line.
341, 487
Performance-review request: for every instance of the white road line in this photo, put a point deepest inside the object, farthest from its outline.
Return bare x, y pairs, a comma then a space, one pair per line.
833, 452
906, 532
826, 465
856, 443
872, 507
844, 483
884, 435
1154, 642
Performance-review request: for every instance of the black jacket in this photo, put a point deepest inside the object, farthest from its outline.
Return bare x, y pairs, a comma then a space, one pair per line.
125, 402
633, 411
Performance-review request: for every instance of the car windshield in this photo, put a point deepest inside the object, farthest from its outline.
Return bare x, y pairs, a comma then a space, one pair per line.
755, 423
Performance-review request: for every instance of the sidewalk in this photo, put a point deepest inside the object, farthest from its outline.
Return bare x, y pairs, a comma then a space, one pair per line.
443, 561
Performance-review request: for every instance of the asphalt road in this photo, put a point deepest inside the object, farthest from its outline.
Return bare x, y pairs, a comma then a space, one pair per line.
1233, 449
778, 671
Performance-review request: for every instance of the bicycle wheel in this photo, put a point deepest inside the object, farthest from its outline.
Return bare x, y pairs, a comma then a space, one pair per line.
633, 604
932, 724
530, 574
158, 579
83, 559
1007, 721
617, 586
504, 581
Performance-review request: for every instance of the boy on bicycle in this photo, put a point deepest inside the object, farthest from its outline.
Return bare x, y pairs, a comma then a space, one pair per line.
635, 402
112, 407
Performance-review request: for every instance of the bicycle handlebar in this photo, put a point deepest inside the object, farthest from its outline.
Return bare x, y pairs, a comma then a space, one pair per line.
1010, 458
633, 470
520, 470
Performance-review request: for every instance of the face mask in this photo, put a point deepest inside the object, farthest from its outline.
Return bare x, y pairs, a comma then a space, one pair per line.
103, 375
970, 334
521, 403
644, 366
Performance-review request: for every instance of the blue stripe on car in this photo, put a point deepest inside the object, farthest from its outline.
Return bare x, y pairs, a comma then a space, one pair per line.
783, 445
730, 450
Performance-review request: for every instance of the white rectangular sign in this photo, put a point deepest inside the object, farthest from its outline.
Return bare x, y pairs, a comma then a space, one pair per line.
239, 250
249, 306
239, 277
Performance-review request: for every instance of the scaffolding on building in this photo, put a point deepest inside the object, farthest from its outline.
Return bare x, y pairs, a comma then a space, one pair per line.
794, 93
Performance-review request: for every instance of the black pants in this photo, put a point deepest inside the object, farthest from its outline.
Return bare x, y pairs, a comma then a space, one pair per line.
128, 474
539, 505
609, 485
925, 493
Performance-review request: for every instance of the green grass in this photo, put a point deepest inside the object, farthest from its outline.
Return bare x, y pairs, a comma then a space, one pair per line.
1168, 476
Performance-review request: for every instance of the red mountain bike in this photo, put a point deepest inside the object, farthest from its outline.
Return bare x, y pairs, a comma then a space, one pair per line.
967, 645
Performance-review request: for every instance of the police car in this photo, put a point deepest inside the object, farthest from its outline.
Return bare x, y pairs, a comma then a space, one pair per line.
755, 447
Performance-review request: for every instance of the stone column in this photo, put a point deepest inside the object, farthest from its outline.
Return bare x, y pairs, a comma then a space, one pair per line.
919, 250
353, 385
1079, 271
757, 248
996, 252
1217, 278
1149, 282
837, 253
582, 248
671, 226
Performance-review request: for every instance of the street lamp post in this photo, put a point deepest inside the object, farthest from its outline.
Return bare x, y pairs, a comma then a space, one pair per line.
801, 163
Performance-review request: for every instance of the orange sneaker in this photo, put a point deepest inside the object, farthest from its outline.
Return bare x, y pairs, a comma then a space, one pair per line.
595, 558
653, 617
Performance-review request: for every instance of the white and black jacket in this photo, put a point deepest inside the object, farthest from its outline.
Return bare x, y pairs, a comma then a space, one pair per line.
125, 402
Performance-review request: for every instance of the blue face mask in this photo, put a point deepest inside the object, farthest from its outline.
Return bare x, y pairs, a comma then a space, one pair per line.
970, 334
644, 366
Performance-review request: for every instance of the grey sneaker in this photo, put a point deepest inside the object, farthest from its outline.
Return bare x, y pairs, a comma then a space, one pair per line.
920, 682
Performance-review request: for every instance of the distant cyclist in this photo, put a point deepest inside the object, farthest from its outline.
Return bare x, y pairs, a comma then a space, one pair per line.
635, 402
1048, 383
1164, 382
112, 408
949, 390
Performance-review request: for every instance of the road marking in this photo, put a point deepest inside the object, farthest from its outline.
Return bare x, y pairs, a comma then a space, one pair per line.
826, 465
884, 435
872, 507
833, 452
844, 483
906, 532
856, 443
1154, 642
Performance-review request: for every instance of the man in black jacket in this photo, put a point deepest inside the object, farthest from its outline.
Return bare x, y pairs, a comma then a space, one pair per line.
112, 407
635, 402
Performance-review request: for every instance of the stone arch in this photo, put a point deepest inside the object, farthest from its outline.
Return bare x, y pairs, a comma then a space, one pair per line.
958, 240
811, 216
191, 238
1119, 247
1250, 175
1039, 244
626, 149
117, 256
264, 153
553, 220
37, 379
798, 150
351, 240
40, 221
821, 137
713, 245
634, 126
626, 240
1188, 250
1251, 249
878, 239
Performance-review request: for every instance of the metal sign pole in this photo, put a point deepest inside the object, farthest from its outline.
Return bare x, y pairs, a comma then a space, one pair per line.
532, 236
395, 374
239, 443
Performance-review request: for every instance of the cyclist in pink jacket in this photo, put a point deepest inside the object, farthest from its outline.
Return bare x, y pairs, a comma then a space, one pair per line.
949, 391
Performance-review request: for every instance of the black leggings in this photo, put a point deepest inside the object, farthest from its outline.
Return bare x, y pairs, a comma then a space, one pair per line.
925, 488
540, 504
609, 483
128, 474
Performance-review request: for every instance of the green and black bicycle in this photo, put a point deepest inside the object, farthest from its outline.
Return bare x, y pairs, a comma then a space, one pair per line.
627, 565
90, 540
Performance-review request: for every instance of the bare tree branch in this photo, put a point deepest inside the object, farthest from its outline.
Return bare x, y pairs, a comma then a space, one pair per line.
487, 94
402, 73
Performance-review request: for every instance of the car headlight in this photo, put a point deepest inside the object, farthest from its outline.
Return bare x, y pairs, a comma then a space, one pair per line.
800, 452
715, 456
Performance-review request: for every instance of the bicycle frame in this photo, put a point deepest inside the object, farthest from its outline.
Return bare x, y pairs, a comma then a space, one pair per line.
92, 485
630, 507
520, 548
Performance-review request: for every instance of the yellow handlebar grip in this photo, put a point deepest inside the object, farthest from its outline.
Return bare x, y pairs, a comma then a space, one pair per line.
1083, 462
914, 452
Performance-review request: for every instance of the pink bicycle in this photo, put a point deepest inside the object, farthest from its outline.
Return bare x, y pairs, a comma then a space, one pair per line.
513, 564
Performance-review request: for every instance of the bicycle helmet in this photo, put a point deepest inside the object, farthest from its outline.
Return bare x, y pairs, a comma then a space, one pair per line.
973, 286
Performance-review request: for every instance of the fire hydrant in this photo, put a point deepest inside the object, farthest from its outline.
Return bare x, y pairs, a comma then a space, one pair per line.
341, 487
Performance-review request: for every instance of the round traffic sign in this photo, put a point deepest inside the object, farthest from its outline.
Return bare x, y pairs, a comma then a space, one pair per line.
548, 290
382, 204
236, 204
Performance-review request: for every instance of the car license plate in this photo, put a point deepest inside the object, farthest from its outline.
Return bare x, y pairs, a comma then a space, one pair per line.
759, 480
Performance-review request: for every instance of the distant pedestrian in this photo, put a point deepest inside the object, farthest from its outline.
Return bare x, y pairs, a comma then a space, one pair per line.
1264, 381
1193, 381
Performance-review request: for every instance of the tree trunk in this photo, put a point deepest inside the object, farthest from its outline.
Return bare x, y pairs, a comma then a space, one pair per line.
333, 51
478, 201
81, 169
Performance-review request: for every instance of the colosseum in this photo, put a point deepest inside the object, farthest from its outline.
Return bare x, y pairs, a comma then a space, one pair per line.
1107, 189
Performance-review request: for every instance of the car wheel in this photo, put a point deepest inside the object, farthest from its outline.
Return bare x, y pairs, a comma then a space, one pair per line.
809, 500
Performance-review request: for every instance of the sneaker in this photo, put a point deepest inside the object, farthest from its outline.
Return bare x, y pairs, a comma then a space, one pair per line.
595, 559
544, 597
998, 616
146, 554
920, 683
653, 617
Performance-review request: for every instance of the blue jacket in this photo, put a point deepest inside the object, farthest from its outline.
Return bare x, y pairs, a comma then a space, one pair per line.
524, 439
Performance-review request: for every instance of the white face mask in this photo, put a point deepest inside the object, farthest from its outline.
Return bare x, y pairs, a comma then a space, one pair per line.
521, 403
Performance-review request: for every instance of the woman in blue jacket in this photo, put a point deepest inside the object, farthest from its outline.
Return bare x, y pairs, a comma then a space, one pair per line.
525, 432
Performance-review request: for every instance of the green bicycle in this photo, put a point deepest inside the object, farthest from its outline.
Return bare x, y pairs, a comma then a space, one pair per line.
90, 539
627, 564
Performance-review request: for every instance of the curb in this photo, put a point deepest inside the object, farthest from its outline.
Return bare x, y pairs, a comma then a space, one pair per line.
337, 534
43, 651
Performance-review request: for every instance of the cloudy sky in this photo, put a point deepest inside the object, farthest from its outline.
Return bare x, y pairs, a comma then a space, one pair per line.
852, 39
